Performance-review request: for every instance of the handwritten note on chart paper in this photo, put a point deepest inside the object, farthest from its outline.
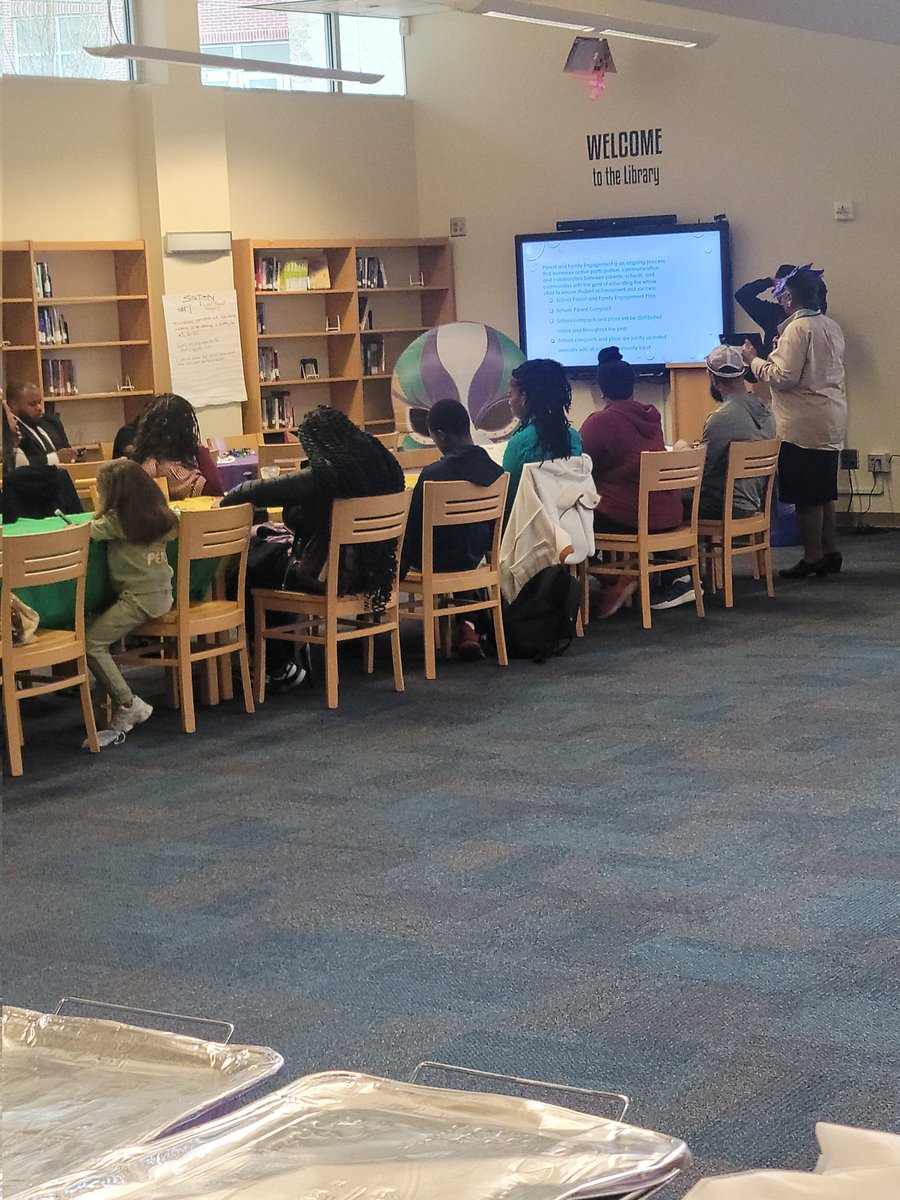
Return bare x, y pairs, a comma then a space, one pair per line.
205, 348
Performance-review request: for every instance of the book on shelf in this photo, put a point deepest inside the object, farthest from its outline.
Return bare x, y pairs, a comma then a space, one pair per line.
52, 327
294, 276
59, 378
278, 412
43, 285
370, 272
267, 270
365, 313
260, 318
268, 364
373, 356
319, 275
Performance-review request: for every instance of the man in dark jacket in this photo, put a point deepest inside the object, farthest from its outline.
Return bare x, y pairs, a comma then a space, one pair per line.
768, 314
456, 547
43, 440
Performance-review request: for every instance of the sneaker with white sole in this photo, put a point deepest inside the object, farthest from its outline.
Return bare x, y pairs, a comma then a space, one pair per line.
292, 677
126, 716
678, 592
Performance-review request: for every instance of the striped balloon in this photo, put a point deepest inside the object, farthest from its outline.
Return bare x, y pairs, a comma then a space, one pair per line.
464, 361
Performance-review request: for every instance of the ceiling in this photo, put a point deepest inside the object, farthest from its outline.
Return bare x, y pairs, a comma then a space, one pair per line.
876, 20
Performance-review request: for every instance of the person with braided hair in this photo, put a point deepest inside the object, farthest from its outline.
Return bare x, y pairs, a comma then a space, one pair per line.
344, 461
540, 397
168, 446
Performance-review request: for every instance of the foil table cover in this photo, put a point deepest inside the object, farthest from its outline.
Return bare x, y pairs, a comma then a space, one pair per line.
346, 1136
77, 1087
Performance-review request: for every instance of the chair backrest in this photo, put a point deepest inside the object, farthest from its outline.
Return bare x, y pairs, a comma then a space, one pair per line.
106, 451
39, 559
289, 457
670, 471
83, 476
387, 439
92, 452
161, 482
213, 533
752, 460
461, 503
361, 520
412, 459
238, 441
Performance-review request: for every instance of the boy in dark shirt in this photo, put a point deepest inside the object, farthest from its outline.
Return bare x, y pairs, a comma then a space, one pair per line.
456, 547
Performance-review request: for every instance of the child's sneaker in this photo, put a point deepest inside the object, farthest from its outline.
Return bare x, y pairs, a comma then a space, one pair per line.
127, 716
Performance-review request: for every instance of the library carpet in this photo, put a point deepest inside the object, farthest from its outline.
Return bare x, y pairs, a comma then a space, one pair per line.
665, 863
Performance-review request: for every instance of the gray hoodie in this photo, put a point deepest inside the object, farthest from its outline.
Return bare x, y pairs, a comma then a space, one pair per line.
740, 418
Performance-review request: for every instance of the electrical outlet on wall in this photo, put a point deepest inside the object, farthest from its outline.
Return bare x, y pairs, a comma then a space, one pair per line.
457, 226
880, 464
849, 460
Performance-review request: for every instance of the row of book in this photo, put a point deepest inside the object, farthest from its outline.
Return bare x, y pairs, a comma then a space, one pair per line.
59, 377
278, 412
268, 364
52, 328
370, 272
292, 275
43, 284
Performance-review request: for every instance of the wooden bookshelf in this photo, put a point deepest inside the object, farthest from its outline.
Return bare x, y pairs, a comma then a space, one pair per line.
101, 290
295, 323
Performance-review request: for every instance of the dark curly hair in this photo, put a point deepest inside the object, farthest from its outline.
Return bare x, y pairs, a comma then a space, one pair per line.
548, 398
168, 430
347, 462
615, 377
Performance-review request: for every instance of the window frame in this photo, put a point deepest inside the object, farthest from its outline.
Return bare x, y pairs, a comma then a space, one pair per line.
59, 56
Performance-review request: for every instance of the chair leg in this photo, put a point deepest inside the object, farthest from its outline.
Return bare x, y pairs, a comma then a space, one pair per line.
331, 661
499, 632
369, 651
698, 587
259, 651
87, 708
244, 664
728, 570
396, 656
12, 715
585, 594
428, 629
767, 568
644, 576
186, 686
211, 689
226, 682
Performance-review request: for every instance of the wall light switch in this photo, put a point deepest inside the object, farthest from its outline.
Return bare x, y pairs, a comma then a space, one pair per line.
457, 226
844, 211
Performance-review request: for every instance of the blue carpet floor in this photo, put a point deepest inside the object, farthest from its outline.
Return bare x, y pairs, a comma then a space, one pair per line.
666, 863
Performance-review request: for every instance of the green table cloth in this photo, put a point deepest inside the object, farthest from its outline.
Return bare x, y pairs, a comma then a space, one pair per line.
55, 603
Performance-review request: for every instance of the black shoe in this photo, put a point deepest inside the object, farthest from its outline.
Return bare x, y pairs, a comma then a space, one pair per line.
835, 561
804, 569
292, 677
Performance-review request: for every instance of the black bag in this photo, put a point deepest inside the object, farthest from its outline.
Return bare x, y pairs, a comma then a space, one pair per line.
540, 622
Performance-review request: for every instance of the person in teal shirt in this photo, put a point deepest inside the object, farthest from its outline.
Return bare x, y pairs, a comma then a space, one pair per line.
540, 397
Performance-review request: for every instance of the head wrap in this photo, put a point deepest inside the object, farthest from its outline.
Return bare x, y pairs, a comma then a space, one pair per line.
780, 284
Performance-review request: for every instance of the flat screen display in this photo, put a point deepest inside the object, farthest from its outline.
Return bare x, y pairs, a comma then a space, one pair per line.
661, 295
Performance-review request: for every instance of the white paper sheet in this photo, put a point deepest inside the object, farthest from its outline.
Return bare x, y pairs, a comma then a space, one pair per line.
205, 348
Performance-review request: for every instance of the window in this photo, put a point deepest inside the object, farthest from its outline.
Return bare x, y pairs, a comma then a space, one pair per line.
229, 27
47, 37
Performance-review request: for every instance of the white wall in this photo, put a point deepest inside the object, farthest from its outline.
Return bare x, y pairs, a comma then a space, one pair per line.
770, 126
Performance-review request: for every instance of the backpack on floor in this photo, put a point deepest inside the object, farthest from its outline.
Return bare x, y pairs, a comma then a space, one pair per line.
540, 622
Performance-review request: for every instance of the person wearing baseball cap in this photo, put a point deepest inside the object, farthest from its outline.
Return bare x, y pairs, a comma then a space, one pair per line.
741, 417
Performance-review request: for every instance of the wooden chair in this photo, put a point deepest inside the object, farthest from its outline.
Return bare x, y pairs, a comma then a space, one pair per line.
238, 441
453, 504
414, 460
92, 452
161, 482
661, 471
287, 458
216, 533
387, 439
83, 476
106, 451
718, 549
37, 560
326, 620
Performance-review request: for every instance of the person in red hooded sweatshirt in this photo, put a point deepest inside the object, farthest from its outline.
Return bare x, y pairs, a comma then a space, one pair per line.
615, 437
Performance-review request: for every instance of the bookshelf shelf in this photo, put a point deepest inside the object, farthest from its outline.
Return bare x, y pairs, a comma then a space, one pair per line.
56, 301
399, 315
103, 395
94, 345
101, 302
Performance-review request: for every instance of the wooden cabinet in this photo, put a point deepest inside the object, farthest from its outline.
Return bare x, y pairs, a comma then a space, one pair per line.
335, 344
84, 305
